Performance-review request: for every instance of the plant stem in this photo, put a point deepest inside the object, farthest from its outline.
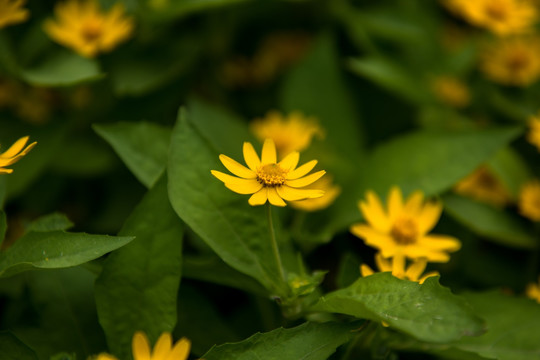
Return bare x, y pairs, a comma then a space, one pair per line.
275, 248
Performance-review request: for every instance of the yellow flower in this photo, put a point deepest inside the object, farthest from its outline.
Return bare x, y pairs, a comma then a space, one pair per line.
533, 136
163, 349
396, 266
451, 91
11, 12
483, 186
14, 154
402, 229
331, 192
529, 200
268, 179
514, 61
502, 17
82, 26
533, 291
291, 133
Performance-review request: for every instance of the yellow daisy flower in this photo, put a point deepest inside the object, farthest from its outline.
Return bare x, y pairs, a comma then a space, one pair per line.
14, 154
513, 61
533, 136
11, 12
331, 192
402, 230
483, 186
529, 200
396, 266
451, 91
502, 17
533, 291
163, 349
83, 27
268, 179
291, 133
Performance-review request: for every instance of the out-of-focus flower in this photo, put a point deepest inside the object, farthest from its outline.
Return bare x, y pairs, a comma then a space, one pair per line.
533, 291
331, 192
402, 229
529, 200
14, 154
268, 179
12, 12
396, 266
163, 349
483, 186
502, 17
83, 27
533, 136
513, 61
290, 133
451, 91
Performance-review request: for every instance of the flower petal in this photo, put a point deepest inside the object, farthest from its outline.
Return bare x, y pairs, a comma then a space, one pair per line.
416, 269
15, 148
375, 239
163, 346
426, 275
413, 205
292, 194
259, 198
306, 180
104, 356
236, 168
180, 350
440, 242
268, 155
383, 264
290, 161
395, 203
302, 170
366, 270
140, 346
238, 185
429, 216
374, 213
251, 157
274, 198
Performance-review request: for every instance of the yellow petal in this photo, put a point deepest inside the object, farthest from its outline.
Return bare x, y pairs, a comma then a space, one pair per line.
251, 157
398, 266
6, 171
259, 198
274, 198
290, 161
237, 168
395, 203
268, 155
292, 194
366, 270
440, 242
180, 350
15, 148
414, 202
416, 269
429, 216
426, 275
162, 346
306, 180
375, 239
104, 356
140, 346
238, 185
417, 251
302, 170
374, 213
383, 264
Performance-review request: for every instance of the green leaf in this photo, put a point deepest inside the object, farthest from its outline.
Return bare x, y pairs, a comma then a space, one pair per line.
62, 69
237, 232
142, 146
175, 9
15, 349
489, 222
309, 341
511, 169
51, 222
138, 286
427, 312
56, 249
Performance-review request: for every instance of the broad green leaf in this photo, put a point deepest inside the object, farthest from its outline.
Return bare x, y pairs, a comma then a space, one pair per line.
492, 223
56, 249
62, 69
237, 232
309, 341
15, 349
511, 169
138, 285
51, 222
427, 312
142, 146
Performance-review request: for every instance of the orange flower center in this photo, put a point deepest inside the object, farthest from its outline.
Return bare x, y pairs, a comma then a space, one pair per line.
404, 231
496, 11
91, 30
271, 175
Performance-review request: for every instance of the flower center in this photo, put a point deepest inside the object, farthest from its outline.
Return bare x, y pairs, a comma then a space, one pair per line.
518, 61
271, 175
92, 30
404, 231
496, 11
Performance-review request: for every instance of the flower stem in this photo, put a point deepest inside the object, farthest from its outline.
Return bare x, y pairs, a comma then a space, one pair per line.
275, 248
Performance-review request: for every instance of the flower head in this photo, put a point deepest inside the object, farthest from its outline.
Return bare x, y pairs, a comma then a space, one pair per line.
533, 136
291, 133
483, 186
529, 200
82, 26
331, 192
396, 266
451, 91
533, 291
11, 12
267, 179
402, 229
163, 349
14, 154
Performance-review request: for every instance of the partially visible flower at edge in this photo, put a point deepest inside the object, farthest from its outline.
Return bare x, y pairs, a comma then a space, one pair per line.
533, 291
482, 185
402, 229
331, 192
396, 266
11, 12
451, 91
83, 27
529, 200
533, 136
14, 154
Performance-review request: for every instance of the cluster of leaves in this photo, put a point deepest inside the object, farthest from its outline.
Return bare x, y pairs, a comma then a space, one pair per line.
117, 157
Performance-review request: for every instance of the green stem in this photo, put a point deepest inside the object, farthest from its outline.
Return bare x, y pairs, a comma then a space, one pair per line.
275, 248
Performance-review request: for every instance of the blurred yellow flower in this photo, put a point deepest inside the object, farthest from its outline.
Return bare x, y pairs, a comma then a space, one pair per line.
533, 291
451, 91
502, 17
163, 349
529, 200
533, 136
513, 61
483, 186
268, 179
11, 12
14, 154
402, 229
331, 192
396, 266
290, 133
83, 27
